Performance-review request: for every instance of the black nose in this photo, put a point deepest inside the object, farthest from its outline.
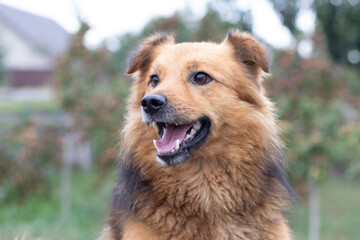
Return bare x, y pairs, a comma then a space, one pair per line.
153, 103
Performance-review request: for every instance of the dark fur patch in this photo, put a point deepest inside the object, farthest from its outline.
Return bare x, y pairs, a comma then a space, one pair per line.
128, 182
276, 171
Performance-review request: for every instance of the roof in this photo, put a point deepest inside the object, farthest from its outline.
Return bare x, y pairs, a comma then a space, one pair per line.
42, 33
30, 78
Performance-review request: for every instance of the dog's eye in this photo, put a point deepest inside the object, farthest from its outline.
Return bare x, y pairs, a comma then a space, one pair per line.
201, 78
154, 80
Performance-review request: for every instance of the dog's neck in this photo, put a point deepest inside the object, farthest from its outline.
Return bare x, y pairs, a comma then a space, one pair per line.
203, 187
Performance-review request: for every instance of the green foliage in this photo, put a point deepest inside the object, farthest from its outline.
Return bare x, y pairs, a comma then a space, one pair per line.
29, 154
320, 116
288, 11
127, 43
319, 97
340, 24
93, 95
338, 20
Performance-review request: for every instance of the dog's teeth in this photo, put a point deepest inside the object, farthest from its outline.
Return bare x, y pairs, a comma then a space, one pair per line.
177, 144
154, 142
197, 125
173, 150
192, 132
187, 137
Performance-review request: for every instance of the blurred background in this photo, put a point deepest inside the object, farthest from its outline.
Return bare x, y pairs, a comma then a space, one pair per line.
63, 91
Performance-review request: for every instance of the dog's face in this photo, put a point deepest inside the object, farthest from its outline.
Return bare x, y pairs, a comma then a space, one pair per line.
188, 91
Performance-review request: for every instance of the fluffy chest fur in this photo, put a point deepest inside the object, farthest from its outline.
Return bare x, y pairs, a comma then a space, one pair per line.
215, 202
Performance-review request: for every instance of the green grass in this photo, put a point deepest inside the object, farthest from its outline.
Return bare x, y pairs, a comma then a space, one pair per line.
39, 218
8, 106
339, 212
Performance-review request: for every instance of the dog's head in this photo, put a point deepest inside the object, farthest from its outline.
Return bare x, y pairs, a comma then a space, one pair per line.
193, 94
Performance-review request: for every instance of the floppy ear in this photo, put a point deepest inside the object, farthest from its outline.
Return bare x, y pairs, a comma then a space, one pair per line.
248, 51
144, 55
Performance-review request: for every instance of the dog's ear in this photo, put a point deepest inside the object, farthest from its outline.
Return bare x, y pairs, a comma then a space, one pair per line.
248, 51
142, 58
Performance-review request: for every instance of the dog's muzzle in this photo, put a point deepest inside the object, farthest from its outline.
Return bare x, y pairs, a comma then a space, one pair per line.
179, 137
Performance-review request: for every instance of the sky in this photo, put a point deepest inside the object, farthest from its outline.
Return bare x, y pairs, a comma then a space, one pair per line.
110, 18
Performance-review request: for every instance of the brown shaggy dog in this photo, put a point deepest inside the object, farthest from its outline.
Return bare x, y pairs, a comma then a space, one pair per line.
214, 170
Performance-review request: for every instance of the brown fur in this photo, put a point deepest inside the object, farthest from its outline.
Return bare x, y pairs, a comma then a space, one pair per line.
233, 187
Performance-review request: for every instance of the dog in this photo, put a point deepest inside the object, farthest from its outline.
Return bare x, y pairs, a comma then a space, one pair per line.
201, 156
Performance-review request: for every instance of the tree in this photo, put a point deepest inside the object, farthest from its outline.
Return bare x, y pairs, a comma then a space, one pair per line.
288, 11
339, 21
93, 95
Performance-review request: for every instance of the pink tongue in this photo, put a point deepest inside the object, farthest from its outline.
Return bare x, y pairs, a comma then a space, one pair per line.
170, 135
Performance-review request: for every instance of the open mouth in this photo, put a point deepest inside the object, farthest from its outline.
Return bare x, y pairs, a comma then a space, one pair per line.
178, 142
